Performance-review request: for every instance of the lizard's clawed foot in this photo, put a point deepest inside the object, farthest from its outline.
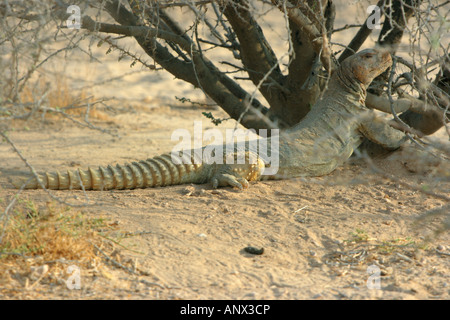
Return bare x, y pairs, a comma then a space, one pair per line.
238, 175
227, 179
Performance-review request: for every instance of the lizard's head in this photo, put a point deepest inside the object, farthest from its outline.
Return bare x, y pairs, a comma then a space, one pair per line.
366, 65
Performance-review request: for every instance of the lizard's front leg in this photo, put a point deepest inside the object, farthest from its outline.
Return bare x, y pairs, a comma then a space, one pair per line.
235, 174
383, 134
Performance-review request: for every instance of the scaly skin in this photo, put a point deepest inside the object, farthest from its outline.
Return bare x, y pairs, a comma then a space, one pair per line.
323, 140
156, 172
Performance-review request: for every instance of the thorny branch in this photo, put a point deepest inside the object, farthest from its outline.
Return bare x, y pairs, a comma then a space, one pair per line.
284, 84
151, 24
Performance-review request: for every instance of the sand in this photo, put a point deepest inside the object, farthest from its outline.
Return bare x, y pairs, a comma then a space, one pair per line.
321, 236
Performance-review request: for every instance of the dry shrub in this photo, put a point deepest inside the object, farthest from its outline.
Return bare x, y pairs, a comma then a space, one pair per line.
54, 97
48, 238
49, 232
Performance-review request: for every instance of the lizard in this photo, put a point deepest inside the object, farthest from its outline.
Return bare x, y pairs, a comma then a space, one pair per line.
320, 142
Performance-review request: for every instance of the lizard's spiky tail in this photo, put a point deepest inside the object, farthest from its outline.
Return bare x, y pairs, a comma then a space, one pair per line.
158, 171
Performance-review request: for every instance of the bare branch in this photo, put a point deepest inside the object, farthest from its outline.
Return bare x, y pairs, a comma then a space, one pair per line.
318, 39
360, 37
256, 54
401, 104
200, 72
36, 176
397, 16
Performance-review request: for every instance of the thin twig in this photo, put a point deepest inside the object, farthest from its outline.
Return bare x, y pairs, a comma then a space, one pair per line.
36, 176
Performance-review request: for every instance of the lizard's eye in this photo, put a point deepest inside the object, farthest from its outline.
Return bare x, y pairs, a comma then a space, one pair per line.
368, 55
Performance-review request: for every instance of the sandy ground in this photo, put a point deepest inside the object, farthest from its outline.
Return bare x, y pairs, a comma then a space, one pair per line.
319, 235
190, 238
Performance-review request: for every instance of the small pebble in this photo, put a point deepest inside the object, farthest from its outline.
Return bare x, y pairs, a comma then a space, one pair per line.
253, 250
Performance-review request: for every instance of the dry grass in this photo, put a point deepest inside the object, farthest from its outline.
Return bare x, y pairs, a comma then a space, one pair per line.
48, 231
39, 244
363, 249
57, 98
